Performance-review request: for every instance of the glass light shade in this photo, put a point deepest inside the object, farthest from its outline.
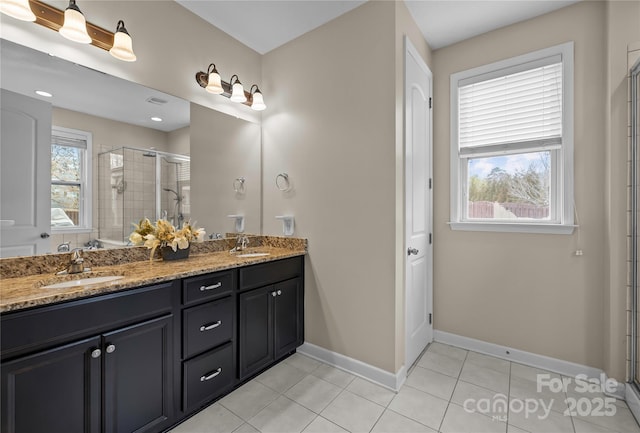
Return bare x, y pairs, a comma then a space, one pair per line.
18, 9
237, 94
214, 84
75, 27
122, 47
258, 102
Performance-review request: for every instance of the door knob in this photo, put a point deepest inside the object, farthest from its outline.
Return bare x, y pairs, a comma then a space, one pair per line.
44, 235
413, 251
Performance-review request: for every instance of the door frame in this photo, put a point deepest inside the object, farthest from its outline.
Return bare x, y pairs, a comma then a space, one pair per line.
410, 50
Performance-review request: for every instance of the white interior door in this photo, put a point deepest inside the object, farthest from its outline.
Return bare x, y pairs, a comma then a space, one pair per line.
418, 205
25, 176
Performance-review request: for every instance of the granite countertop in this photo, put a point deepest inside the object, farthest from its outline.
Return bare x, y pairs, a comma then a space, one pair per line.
23, 292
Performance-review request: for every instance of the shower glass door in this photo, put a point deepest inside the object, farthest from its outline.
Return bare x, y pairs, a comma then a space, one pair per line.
635, 212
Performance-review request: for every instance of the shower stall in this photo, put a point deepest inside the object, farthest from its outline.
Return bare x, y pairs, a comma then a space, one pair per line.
140, 183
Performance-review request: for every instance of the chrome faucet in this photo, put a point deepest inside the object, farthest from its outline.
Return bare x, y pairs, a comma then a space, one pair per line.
64, 247
242, 243
76, 264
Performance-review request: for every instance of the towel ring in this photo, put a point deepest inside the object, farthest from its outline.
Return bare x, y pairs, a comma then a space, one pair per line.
282, 182
238, 185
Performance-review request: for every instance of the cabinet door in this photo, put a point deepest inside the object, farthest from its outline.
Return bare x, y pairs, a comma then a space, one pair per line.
138, 382
57, 390
288, 318
255, 330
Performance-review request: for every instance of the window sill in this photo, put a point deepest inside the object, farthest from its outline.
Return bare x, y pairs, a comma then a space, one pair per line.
557, 229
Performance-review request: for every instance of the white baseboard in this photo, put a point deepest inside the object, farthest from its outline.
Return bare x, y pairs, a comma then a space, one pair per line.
366, 371
632, 401
560, 366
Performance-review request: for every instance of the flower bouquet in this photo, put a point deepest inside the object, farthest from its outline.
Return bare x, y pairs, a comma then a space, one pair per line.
164, 235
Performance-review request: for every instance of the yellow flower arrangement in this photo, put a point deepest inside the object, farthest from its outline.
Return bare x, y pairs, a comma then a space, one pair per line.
164, 234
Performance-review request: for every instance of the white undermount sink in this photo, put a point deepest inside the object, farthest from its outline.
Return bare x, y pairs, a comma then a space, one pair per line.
253, 255
83, 282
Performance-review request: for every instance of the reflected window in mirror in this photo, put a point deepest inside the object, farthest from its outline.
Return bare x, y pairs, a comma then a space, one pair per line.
70, 180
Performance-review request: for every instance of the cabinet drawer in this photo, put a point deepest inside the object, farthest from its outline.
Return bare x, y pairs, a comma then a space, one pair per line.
205, 287
42, 327
264, 274
208, 376
206, 326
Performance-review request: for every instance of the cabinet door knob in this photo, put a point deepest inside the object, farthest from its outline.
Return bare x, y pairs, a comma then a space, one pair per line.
279, 292
111, 348
274, 294
95, 353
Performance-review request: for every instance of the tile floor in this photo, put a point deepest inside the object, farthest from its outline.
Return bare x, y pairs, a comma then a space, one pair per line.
448, 390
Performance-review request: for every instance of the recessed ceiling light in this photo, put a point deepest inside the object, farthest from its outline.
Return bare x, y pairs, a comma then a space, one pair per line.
43, 93
156, 119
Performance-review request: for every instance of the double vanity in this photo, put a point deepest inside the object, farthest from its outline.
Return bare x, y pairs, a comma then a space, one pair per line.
141, 352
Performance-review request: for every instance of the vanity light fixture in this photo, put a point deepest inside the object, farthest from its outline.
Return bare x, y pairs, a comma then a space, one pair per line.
122, 48
71, 24
18, 9
233, 89
75, 25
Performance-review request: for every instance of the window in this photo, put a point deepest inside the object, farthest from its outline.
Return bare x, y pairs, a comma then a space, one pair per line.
512, 144
70, 180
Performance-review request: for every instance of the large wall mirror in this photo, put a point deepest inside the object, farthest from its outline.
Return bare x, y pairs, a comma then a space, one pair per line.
109, 160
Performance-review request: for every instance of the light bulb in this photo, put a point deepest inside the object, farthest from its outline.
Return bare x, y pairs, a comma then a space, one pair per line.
258, 101
214, 83
122, 44
18, 9
237, 94
75, 26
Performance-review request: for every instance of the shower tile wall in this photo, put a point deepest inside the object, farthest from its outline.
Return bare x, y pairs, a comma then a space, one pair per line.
127, 188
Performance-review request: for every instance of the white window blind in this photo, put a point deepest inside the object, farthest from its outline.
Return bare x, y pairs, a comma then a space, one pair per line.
58, 140
515, 110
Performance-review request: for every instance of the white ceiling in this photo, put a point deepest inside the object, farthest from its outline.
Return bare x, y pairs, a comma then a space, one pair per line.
445, 22
266, 24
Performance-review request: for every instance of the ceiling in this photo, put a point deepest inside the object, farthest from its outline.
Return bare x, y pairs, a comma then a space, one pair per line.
267, 24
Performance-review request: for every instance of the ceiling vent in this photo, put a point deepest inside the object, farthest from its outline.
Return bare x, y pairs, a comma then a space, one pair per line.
156, 101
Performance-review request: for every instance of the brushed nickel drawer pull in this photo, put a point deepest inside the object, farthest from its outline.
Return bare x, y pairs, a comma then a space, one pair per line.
210, 327
211, 376
211, 287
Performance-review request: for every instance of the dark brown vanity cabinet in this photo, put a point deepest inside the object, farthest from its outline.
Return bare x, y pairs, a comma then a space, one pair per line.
100, 364
143, 359
271, 319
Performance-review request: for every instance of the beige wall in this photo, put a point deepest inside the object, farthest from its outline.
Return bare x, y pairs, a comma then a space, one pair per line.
179, 141
224, 148
332, 125
623, 28
525, 291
